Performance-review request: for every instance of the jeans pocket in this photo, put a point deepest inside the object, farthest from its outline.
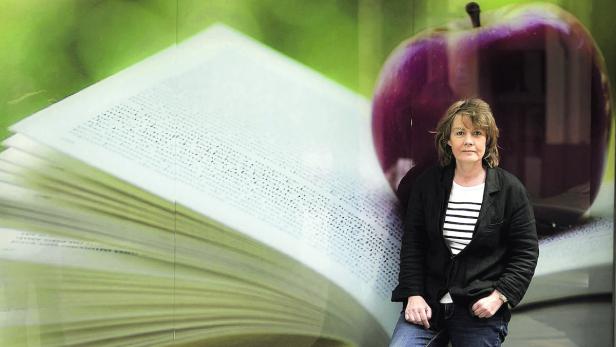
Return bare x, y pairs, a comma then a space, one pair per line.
503, 331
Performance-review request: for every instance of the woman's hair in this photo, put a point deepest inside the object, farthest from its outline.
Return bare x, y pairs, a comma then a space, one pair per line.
480, 115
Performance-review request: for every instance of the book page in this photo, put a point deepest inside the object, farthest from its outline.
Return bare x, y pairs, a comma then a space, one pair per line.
26, 246
575, 263
240, 134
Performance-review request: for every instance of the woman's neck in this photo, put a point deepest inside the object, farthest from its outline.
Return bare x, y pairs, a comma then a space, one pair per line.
469, 175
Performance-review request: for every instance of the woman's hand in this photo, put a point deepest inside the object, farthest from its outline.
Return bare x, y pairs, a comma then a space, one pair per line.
418, 311
487, 307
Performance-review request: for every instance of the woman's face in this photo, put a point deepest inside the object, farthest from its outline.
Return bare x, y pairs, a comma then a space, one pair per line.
468, 144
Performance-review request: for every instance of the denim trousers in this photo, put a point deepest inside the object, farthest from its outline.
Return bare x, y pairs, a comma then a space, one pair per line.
459, 327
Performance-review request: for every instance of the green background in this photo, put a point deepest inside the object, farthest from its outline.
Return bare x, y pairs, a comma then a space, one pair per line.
54, 48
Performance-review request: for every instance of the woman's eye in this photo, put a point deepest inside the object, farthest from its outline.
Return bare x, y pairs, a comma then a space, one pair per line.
459, 133
477, 133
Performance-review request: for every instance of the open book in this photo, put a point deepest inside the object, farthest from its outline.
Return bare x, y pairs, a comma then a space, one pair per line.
217, 193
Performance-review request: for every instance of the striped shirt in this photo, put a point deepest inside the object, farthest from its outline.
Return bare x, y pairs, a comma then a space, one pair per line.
460, 219
461, 216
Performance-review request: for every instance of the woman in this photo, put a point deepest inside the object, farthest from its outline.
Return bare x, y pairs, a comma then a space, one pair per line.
470, 245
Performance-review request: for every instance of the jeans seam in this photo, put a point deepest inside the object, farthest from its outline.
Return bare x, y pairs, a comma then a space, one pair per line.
433, 338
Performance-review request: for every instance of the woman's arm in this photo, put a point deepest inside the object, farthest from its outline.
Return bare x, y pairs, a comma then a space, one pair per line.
522, 248
412, 251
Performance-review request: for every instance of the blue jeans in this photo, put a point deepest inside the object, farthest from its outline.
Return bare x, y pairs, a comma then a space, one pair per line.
459, 327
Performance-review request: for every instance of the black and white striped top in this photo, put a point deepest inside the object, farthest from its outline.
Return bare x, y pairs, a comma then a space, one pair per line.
461, 215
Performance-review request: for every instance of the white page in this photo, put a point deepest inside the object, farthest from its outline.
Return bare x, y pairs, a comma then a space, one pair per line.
575, 263
245, 136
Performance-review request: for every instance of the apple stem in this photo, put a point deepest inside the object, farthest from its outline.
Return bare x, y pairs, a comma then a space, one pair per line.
472, 8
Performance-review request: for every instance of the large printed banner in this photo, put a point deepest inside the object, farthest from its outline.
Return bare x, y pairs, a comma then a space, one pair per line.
228, 173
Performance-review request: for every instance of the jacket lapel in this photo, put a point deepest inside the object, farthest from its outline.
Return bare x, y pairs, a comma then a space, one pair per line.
492, 186
444, 190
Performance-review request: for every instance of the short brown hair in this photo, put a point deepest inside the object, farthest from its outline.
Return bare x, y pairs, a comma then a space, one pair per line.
480, 115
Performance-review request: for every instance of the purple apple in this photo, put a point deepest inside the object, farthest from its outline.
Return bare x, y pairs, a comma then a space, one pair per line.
543, 75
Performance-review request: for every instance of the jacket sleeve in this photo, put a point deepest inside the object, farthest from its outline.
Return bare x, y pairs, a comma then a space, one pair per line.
522, 249
412, 251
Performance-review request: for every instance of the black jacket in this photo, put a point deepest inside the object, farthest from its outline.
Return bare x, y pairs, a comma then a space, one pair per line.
501, 255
